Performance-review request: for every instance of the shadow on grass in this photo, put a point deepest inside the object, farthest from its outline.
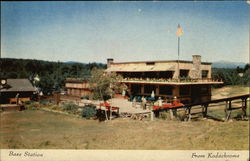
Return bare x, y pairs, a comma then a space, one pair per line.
214, 118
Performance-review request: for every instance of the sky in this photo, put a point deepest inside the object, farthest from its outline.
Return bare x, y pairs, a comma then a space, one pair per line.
87, 31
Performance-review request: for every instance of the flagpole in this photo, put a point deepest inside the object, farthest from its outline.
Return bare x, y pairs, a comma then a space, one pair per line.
179, 32
178, 57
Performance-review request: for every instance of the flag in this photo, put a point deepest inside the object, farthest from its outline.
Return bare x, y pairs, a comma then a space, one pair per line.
179, 31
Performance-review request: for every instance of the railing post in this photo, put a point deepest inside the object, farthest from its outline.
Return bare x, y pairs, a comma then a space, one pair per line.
152, 115
189, 114
228, 110
244, 107
171, 114
204, 110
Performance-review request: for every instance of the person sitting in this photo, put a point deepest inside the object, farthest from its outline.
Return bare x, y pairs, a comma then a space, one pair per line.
175, 100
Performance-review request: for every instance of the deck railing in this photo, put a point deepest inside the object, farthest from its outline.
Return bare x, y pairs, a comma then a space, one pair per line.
180, 80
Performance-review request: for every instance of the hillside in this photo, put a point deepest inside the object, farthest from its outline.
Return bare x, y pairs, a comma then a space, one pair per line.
227, 64
51, 74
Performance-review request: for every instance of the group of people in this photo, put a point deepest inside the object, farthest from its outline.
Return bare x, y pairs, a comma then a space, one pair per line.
158, 102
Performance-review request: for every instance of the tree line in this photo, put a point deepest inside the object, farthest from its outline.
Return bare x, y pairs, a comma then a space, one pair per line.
236, 76
51, 74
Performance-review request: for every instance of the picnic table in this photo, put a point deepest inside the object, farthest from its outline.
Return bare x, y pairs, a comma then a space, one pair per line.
168, 105
108, 107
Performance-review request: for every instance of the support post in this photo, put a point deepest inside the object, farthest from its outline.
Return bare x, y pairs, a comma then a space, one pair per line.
189, 114
106, 115
110, 115
228, 110
244, 107
152, 115
171, 114
204, 110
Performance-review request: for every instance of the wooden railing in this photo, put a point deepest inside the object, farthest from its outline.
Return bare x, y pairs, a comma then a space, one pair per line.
204, 106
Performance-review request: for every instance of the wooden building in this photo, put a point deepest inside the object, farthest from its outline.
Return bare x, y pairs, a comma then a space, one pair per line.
16, 90
77, 87
190, 81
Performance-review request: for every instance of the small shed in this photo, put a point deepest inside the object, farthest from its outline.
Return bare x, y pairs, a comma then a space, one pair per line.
21, 89
77, 86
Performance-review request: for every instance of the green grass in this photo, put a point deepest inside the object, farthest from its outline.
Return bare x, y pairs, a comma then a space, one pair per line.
46, 130
229, 91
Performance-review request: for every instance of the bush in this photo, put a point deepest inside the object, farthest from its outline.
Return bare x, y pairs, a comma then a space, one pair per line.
33, 108
28, 102
85, 97
70, 106
31, 105
46, 102
88, 111
164, 115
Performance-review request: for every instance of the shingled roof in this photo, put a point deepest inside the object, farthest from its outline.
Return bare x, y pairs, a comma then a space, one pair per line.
19, 85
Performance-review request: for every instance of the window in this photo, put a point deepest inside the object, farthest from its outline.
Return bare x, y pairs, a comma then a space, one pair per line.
205, 90
150, 75
166, 74
204, 73
165, 90
150, 63
149, 88
135, 89
184, 90
135, 74
184, 73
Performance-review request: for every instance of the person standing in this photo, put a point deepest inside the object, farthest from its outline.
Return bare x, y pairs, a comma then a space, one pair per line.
160, 101
144, 103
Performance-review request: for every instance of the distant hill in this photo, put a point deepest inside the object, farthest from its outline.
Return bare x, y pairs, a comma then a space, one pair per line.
76, 62
227, 64
73, 62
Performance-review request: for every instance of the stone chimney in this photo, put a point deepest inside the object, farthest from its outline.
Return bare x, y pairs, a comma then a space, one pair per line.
109, 61
195, 72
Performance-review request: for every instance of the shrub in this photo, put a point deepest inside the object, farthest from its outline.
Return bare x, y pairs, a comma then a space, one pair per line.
46, 102
164, 115
31, 105
85, 97
88, 111
33, 108
28, 102
70, 106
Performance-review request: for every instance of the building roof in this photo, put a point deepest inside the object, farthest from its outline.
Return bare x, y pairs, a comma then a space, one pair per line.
76, 80
162, 61
144, 67
19, 85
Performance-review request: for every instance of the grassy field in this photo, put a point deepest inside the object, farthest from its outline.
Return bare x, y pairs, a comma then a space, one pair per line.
229, 91
47, 130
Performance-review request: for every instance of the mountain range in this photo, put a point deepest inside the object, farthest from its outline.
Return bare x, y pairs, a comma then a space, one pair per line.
228, 64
